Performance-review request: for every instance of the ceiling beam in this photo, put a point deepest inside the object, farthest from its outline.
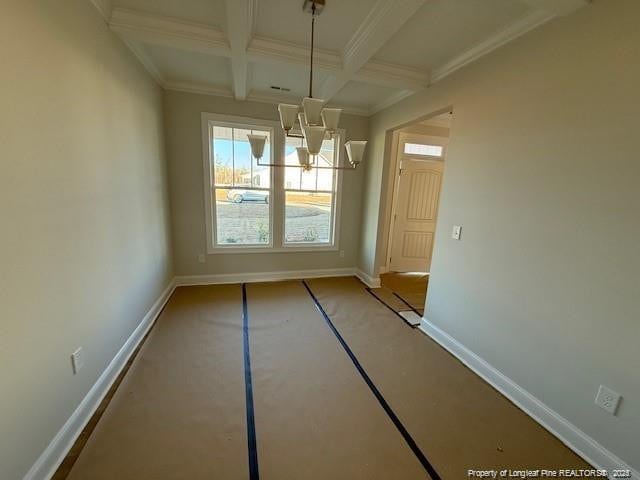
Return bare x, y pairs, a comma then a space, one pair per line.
383, 21
267, 50
241, 22
169, 32
139, 27
354, 63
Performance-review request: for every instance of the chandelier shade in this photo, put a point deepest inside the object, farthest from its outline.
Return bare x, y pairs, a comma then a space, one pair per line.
314, 136
288, 115
316, 121
257, 143
303, 120
312, 108
355, 151
331, 119
303, 157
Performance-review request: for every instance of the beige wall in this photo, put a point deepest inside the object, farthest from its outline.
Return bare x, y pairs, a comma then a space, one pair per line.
84, 238
542, 173
184, 148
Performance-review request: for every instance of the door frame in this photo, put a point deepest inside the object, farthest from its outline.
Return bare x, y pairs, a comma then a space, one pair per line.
394, 180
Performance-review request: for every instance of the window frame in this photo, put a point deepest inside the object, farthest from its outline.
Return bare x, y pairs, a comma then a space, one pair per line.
277, 191
335, 206
209, 121
421, 139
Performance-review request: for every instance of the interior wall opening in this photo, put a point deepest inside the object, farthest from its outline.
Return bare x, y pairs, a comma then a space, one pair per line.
417, 164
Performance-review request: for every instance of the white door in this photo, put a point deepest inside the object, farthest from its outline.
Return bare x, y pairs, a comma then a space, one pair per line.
416, 201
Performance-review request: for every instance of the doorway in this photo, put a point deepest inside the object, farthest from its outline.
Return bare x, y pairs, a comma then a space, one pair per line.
418, 160
420, 155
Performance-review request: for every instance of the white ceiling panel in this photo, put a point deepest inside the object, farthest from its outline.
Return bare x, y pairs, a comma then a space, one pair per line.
293, 77
211, 12
444, 28
183, 66
362, 95
397, 46
285, 20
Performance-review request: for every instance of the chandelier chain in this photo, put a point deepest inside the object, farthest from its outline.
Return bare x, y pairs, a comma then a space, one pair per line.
313, 24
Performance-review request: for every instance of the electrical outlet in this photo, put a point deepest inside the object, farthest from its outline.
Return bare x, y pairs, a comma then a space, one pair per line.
201, 258
607, 399
457, 232
77, 360
341, 253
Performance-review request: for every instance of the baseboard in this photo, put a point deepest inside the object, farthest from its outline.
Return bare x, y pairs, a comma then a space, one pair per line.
369, 281
54, 454
574, 438
190, 280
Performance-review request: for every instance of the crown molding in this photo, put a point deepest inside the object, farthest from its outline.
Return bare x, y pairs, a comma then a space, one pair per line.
383, 21
199, 88
504, 36
267, 49
353, 64
138, 28
169, 31
392, 75
253, 96
267, 97
143, 57
390, 100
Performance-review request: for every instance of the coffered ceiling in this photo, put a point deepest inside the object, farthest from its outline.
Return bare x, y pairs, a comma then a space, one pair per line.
369, 53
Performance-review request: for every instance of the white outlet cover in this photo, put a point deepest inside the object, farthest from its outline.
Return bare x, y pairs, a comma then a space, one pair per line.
77, 360
456, 232
201, 258
607, 399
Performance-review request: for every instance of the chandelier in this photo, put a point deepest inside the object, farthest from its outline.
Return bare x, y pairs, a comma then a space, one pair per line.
316, 121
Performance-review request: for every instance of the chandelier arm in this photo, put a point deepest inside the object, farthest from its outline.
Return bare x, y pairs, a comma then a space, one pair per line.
272, 164
336, 168
294, 135
284, 165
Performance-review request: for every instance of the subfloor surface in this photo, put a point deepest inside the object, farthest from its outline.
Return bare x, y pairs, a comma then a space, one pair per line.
262, 383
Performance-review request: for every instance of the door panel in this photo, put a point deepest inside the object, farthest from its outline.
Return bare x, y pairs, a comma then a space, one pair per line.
424, 190
415, 212
414, 244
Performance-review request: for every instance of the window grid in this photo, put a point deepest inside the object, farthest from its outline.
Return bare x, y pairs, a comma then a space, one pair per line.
317, 192
237, 224
320, 227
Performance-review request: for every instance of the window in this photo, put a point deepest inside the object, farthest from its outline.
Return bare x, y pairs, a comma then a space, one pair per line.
309, 196
238, 190
251, 207
422, 149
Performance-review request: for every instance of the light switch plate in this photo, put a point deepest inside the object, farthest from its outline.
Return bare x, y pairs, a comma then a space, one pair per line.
77, 360
607, 399
457, 232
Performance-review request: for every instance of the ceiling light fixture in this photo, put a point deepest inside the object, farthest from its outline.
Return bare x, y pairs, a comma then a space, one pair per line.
316, 121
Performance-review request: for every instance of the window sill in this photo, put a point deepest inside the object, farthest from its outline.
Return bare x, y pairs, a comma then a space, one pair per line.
267, 250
